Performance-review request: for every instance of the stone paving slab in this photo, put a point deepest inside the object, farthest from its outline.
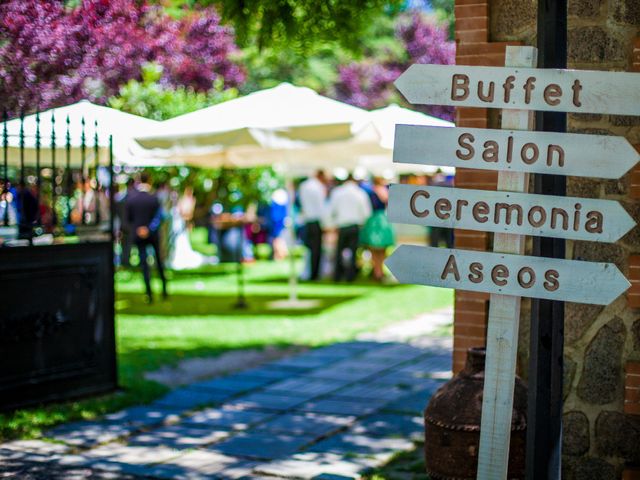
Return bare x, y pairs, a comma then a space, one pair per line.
432, 363
341, 406
193, 465
145, 416
353, 444
306, 424
390, 425
262, 445
35, 446
310, 465
190, 398
179, 437
267, 401
232, 419
306, 386
415, 403
233, 384
306, 362
372, 391
88, 434
269, 372
344, 374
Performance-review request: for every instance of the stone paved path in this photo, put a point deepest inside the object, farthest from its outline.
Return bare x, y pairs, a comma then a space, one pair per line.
332, 412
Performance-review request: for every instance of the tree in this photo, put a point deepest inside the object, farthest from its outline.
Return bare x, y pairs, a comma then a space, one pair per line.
296, 25
369, 82
149, 98
52, 54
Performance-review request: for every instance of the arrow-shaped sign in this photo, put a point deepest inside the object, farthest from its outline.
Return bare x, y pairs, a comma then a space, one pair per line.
522, 88
509, 212
518, 151
536, 277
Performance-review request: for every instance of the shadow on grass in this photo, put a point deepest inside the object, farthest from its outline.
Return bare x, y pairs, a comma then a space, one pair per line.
183, 305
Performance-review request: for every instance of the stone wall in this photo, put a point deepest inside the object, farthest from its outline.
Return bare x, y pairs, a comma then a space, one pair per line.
600, 440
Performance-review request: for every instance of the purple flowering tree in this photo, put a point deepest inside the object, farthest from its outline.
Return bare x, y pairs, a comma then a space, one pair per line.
369, 83
51, 55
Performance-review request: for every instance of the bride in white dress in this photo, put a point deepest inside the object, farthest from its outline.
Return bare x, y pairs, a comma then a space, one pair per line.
182, 256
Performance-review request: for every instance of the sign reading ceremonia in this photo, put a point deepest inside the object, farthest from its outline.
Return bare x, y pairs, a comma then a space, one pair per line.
510, 212
574, 154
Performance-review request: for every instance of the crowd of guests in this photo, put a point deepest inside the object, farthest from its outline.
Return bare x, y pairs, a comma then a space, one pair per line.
356, 210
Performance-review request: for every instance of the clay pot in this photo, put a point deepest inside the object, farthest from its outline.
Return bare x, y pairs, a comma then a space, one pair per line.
452, 424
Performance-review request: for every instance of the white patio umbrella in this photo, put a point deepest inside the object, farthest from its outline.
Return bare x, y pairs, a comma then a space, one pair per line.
110, 122
384, 121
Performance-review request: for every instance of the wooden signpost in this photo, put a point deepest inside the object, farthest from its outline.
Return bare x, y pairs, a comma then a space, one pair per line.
510, 212
522, 88
519, 275
518, 151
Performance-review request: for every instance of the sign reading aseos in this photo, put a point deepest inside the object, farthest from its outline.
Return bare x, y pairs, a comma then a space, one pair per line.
522, 88
518, 151
509, 212
505, 274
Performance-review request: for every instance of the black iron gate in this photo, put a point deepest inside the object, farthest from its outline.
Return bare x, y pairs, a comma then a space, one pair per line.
57, 336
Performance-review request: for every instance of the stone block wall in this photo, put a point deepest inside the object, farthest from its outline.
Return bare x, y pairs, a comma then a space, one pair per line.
601, 437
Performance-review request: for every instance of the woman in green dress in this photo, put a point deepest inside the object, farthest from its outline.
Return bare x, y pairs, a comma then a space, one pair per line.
377, 234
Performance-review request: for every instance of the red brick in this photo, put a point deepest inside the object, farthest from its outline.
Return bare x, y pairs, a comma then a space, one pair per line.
476, 331
472, 36
488, 60
483, 48
474, 123
633, 294
474, 10
466, 24
632, 408
635, 56
634, 190
471, 2
632, 368
471, 295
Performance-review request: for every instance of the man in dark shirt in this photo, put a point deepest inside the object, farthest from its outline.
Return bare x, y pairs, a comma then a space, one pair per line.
144, 215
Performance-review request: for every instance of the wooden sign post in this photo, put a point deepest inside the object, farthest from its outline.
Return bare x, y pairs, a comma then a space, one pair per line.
511, 212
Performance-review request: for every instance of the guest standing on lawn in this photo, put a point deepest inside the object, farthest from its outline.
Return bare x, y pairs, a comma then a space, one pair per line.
349, 209
145, 216
313, 195
377, 233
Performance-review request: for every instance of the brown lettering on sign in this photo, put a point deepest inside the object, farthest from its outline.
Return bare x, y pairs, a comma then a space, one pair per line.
412, 204
529, 158
465, 141
490, 154
442, 208
489, 96
451, 267
459, 81
521, 277
476, 275
480, 208
559, 212
557, 149
507, 87
459, 204
576, 217
594, 222
551, 283
542, 216
528, 87
577, 88
509, 149
499, 274
509, 209
551, 95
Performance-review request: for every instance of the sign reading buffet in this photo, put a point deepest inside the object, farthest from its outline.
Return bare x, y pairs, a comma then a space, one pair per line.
517, 151
522, 88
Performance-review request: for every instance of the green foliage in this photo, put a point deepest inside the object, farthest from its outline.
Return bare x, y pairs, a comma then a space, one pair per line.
149, 98
445, 14
297, 25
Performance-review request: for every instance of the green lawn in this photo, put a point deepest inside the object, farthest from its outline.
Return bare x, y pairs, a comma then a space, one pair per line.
199, 319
